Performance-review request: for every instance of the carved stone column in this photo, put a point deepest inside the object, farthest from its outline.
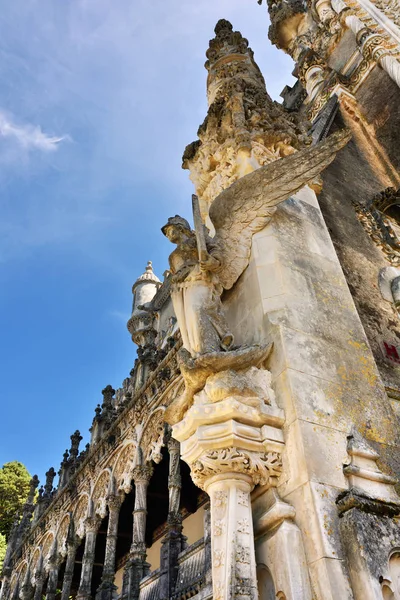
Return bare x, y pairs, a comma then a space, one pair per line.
92, 525
136, 567
53, 579
231, 439
173, 542
107, 588
69, 567
26, 591
174, 478
5, 585
40, 578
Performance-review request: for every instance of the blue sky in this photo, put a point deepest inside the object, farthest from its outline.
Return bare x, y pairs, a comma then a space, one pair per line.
97, 102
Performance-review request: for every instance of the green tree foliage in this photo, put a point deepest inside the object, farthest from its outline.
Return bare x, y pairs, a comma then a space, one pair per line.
3, 547
14, 489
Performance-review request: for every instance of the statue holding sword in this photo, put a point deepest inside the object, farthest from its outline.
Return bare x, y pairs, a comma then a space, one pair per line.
196, 289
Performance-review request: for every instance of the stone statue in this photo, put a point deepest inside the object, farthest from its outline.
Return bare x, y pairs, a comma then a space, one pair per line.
196, 290
202, 267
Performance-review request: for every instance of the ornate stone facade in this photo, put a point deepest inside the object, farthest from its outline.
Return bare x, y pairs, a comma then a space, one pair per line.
253, 452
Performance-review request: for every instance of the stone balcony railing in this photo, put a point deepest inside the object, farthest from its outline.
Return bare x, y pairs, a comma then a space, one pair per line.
150, 586
191, 571
191, 578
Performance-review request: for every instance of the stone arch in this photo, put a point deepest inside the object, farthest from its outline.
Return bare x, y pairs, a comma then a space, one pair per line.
62, 534
35, 561
123, 468
47, 545
100, 492
80, 514
13, 582
266, 587
152, 438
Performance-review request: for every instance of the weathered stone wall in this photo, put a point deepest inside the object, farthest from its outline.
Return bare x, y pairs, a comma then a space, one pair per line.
324, 374
352, 179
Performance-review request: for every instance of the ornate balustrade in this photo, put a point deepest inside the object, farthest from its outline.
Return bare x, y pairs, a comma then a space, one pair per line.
150, 586
191, 571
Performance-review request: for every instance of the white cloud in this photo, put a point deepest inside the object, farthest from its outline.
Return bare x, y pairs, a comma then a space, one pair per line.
29, 137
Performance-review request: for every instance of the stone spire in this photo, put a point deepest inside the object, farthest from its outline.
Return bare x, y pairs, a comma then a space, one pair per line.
244, 128
75, 441
28, 509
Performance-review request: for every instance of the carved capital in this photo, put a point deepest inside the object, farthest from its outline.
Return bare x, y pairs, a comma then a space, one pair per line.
92, 524
114, 503
142, 473
261, 468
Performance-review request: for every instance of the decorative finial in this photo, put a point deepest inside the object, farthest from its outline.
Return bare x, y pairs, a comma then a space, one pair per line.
75, 441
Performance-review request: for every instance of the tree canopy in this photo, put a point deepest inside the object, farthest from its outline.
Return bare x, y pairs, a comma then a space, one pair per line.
14, 489
3, 548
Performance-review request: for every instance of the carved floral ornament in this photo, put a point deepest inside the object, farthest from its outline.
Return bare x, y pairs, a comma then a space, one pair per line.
262, 468
62, 535
100, 493
153, 437
123, 468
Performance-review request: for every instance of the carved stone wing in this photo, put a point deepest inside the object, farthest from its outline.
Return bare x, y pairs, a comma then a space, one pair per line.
247, 205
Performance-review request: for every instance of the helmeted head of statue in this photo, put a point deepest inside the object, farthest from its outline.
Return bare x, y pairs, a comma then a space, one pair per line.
176, 225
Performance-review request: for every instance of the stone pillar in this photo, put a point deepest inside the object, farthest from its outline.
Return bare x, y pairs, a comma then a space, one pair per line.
39, 583
231, 439
173, 541
136, 567
92, 525
53, 579
69, 567
26, 591
174, 478
232, 539
5, 585
107, 588
40, 578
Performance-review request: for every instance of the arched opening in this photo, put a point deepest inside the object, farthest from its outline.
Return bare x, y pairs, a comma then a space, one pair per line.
99, 555
61, 571
76, 578
266, 587
157, 509
124, 539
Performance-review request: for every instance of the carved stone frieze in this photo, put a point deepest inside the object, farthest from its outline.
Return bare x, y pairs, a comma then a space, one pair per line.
391, 8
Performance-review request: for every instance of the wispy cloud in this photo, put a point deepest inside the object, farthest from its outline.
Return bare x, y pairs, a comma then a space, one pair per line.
29, 137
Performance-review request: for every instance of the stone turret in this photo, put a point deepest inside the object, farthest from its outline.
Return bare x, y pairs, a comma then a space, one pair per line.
141, 325
244, 128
